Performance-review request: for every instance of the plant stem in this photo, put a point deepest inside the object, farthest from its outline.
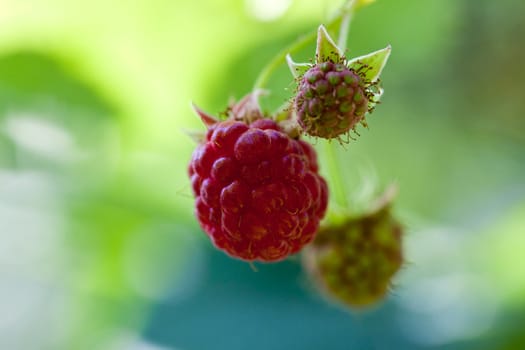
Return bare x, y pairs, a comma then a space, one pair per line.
343, 30
280, 58
334, 172
340, 194
340, 22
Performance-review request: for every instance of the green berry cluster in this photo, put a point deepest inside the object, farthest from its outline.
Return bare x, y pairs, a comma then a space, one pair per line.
354, 262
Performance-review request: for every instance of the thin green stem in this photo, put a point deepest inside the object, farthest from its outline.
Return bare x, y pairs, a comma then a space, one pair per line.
280, 58
343, 31
334, 168
339, 23
334, 172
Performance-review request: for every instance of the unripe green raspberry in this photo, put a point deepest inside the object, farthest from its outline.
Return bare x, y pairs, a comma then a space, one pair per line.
334, 93
331, 100
354, 262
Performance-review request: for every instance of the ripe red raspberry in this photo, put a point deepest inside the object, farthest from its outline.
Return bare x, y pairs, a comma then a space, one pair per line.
355, 261
258, 192
331, 100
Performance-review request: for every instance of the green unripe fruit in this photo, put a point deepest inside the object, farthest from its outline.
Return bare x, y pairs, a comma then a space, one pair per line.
354, 262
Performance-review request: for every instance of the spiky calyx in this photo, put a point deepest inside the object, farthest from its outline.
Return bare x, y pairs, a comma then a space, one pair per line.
258, 192
334, 93
354, 262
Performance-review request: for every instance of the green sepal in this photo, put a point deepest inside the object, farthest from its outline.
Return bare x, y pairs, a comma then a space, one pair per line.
371, 65
326, 49
206, 118
297, 69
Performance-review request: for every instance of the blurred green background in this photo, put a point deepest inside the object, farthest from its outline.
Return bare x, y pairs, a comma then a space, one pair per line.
98, 245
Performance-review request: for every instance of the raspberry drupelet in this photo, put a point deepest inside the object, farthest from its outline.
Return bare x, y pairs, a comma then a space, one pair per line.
258, 192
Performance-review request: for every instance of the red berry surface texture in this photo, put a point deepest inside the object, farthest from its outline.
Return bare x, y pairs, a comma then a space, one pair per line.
258, 192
